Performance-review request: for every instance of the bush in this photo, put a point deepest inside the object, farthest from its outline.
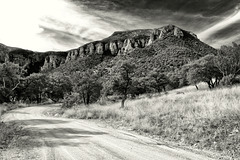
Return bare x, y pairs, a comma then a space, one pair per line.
70, 101
227, 80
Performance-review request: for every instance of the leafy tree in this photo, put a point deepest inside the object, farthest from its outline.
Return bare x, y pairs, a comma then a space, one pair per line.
58, 86
228, 61
203, 70
174, 79
227, 80
123, 81
9, 81
107, 89
196, 74
158, 81
142, 85
38, 86
177, 78
139, 87
88, 86
35, 87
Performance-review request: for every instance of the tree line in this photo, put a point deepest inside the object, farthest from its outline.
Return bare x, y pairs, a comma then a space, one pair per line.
96, 85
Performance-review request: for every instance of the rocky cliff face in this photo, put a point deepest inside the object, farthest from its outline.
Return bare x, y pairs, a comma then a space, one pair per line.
33, 62
124, 42
111, 48
52, 61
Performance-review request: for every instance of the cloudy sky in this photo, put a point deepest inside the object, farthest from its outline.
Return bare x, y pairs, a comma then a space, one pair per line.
43, 25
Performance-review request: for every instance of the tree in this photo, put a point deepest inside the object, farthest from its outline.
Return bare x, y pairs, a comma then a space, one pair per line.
203, 70
11, 75
158, 80
174, 80
142, 85
35, 87
58, 86
88, 86
177, 78
196, 74
123, 81
228, 80
228, 61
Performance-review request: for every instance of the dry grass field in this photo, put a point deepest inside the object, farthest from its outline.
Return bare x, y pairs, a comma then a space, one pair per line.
206, 119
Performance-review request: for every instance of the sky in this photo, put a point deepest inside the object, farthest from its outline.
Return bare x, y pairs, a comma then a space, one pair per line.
44, 25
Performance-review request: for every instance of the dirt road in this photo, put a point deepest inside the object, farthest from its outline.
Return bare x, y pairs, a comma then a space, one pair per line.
67, 139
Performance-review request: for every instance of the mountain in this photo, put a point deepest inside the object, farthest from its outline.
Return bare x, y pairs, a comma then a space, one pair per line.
168, 47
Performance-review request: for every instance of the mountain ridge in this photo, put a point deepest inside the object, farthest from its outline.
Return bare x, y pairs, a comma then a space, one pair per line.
119, 43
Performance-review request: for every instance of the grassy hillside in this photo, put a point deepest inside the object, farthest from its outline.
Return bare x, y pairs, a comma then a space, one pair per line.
204, 119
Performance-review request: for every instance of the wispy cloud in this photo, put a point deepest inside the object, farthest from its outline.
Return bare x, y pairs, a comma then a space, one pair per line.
37, 25
223, 32
215, 21
65, 24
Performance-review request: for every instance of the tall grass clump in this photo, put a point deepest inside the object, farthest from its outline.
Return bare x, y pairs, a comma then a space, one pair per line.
8, 131
3, 109
206, 119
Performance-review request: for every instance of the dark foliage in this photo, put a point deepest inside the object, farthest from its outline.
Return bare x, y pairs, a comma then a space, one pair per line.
123, 82
88, 87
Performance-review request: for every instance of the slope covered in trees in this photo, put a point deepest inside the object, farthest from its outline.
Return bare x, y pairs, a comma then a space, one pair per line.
126, 64
147, 47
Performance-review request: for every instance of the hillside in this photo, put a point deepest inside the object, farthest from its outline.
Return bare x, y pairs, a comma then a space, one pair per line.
168, 46
169, 52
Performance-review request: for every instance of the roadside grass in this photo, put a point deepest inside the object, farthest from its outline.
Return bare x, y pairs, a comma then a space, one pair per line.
8, 131
205, 119
3, 109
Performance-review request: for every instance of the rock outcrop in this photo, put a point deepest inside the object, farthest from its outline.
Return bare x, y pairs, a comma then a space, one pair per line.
32, 62
121, 43
52, 62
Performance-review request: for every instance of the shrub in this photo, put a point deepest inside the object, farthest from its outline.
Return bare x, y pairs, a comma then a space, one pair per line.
227, 80
70, 101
